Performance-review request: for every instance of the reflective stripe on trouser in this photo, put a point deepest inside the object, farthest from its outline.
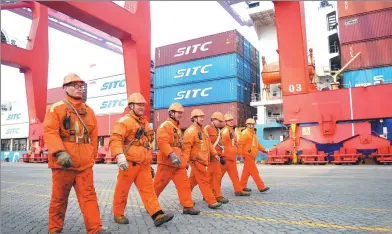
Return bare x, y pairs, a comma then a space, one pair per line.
199, 176
215, 173
83, 183
141, 175
231, 168
250, 169
180, 179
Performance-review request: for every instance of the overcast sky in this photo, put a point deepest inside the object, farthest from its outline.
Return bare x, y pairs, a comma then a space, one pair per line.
171, 22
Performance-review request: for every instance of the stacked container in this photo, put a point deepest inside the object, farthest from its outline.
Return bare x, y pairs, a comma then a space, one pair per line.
366, 27
211, 73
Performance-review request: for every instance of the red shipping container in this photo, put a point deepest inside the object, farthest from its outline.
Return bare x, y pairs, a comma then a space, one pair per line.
350, 8
365, 27
239, 111
106, 123
212, 45
376, 53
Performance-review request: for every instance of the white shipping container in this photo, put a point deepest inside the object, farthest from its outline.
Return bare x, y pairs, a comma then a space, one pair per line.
15, 131
112, 104
14, 112
106, 86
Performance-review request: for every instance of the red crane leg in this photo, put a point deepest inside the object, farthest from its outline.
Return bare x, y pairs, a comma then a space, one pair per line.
125, 25
33, 62
293, 62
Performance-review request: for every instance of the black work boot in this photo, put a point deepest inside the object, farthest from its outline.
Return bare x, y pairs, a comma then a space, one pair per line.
247, 190
264, 189
121, 219
214, 205
222, 200
190, 211
163, 218
242, 193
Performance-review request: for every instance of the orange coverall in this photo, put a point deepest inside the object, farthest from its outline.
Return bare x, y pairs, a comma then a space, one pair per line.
80, 174
248, 147
169, 138
139, 157
214, 167
198, 152
229, 153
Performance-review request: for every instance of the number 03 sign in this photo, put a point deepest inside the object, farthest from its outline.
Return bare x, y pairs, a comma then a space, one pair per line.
295, 88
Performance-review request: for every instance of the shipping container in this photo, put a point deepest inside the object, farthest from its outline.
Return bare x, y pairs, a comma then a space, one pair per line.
246, 50
208, 46
247, 72
239, 111
229, 65
106, 123
376, 53
257, 59
252, 55
203, 93
105, 86
350, 8
19, 130
253, 74
373, 76
365, 27
113, 104
54, 95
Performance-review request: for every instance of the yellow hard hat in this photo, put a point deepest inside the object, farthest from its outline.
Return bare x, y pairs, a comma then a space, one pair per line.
175, 106
228, 117
72, 77
136, 98
197, 112
218, 116
250, 121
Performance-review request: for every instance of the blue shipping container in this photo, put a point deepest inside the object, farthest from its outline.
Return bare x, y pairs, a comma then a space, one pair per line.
230, 65
372, 76
246, 50
202, 93
247, 76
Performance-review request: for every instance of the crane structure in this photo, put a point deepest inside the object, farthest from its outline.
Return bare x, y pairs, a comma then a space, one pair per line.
322, 123
325, 126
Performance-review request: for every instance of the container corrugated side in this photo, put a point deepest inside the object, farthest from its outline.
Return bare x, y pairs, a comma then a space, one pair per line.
202, 93
253, 74
239, 111
246, 50
208, 46
376, 53
247, 72
229, 65
106, 122
373, 76
365, 27
350, 8
252, 55
54, 95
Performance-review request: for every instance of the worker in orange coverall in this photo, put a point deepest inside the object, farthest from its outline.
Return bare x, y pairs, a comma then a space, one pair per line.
171, 163
71, 136
248, 147
197, 149
229, 154
214, 167
130, 143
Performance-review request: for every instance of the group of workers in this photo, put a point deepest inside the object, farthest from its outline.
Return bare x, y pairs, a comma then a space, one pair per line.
71, 136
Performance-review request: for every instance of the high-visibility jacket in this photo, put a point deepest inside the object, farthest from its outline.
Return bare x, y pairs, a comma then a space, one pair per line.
248, 144
229, 142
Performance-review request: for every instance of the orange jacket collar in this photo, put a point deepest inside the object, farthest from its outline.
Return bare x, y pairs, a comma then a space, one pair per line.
173, 122
141, 119
73, 101
251, 130
197, 125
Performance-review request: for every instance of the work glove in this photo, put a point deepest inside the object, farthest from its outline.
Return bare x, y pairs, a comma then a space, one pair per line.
122, 162
64, 159
152, 173
222, 161
174, 158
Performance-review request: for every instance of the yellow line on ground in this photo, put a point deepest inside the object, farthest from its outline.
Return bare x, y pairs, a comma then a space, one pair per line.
309, 224
308, 205
213, 214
